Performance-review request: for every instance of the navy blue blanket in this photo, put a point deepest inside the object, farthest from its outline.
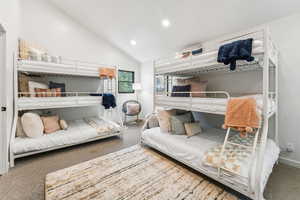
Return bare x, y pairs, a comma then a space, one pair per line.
238, 50
108, 100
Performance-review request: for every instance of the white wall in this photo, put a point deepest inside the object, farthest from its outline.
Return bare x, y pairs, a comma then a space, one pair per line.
285, 33
147, 82
44, 24
9, 19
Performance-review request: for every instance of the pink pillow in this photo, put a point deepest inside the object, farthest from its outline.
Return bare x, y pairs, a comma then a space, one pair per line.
196, 86
51, 124
132, 108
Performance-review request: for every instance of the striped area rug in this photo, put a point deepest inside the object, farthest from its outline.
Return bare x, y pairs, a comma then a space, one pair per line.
134, 173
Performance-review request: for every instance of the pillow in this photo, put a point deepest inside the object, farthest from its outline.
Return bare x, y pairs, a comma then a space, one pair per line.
196, 86
20, 132
164, 117
32, 125
32, 85
177, 123
55, 92
51, 124
62, 86
153, 122
23, 84
181, 88
192, 129
63, 124
132, 108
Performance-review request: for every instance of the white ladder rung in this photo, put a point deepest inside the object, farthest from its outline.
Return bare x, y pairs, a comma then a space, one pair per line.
240, 145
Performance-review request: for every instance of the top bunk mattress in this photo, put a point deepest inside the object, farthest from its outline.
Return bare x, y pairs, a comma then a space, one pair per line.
191, 150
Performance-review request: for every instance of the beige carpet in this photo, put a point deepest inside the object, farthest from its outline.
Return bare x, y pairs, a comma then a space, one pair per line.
26, 180
131, 174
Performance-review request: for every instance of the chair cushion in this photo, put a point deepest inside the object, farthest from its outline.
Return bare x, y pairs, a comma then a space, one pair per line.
132, 108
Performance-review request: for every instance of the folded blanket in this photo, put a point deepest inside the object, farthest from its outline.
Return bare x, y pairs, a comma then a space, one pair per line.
238, 50
241, 114
105, 72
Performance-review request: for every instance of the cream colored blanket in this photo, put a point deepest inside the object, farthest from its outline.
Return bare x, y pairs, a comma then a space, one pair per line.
234, 157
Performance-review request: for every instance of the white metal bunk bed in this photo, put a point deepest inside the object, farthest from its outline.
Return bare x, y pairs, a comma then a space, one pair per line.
79, 131
266, 59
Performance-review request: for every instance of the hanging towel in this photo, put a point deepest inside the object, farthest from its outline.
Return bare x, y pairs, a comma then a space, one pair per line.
241, 115
238, 50
105, 72
109, 101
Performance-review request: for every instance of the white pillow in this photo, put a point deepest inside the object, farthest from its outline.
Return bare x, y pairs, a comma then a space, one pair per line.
33, 84
32, 125
63, 124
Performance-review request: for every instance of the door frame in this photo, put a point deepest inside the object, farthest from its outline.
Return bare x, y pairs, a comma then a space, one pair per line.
4, 133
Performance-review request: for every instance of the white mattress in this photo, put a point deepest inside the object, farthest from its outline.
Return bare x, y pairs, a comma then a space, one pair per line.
205, 59
191, 150
78, 131
210, 105
57, 102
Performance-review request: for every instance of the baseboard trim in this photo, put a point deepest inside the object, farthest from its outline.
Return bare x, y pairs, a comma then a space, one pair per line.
290, 162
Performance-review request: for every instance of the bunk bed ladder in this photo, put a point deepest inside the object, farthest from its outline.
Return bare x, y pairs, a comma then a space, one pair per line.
253, 149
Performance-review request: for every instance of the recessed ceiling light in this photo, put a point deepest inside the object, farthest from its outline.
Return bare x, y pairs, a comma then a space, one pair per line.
133, 42
165, 23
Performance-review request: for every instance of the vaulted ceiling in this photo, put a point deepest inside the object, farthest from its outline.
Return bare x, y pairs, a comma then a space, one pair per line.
192, 21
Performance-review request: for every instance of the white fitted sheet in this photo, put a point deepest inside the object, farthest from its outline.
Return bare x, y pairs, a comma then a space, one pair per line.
191, 150
78, 131
211, 105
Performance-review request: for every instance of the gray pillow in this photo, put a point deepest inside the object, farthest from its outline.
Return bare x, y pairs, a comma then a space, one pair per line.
177, 123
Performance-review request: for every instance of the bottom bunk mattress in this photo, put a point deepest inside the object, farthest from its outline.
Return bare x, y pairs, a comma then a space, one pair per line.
192, 150
78, 131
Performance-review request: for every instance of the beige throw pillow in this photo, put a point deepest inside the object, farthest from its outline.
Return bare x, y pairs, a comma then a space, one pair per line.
164, 120
63, 124
192, 129
32, 125
20, 132
51, 124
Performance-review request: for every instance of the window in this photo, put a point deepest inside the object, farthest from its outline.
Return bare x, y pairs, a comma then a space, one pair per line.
126, 79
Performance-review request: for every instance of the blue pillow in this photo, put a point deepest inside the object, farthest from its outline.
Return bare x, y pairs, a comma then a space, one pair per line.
179, 88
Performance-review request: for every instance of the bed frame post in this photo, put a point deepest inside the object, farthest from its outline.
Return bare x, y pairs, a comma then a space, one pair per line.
265, 118
15, 112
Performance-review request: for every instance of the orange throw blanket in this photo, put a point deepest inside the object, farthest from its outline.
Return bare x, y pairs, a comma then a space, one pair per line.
241, 115
105, 72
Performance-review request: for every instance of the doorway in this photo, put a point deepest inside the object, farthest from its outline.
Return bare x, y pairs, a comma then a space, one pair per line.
3, 114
